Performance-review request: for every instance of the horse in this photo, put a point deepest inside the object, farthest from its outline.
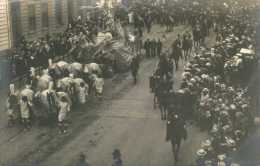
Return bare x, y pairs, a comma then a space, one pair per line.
43, 82
47, 102
197, 35
176, 54
71, 86
93, 68
165, 66
162, 91
76, 69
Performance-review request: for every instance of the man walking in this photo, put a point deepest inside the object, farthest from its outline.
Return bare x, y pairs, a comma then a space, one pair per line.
153, 47
134, 68
147, 46
176, 131
159, 47
82, 160
117, 161
176, 51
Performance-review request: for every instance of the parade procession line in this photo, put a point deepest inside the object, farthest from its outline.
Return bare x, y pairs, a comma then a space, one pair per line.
95, 129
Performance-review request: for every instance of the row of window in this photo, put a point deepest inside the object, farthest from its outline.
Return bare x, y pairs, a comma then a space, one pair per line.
44, 14
4, 26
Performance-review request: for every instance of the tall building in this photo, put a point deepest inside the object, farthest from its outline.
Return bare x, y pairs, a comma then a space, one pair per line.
36, 18
33, 18
5, 41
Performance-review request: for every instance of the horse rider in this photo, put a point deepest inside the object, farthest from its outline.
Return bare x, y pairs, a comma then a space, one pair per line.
161, 93
176, 51
176, 132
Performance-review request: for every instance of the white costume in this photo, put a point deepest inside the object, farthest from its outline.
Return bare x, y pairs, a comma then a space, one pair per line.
99, 83
28, 93
25, 110
64, 109
83, 92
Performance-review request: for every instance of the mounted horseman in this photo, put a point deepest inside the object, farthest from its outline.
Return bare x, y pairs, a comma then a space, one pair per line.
176, 51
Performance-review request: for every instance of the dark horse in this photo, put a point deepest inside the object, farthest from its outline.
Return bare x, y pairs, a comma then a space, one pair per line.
176, 132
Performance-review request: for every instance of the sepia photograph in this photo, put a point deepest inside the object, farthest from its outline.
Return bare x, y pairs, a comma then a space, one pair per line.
129, 83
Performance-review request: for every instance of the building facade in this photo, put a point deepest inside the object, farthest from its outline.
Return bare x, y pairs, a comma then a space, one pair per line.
36, 18
5, 39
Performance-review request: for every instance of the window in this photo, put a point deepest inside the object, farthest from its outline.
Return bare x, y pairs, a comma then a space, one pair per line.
4, 25
32, 17
70, 10
58, 11
16, 21
45, 16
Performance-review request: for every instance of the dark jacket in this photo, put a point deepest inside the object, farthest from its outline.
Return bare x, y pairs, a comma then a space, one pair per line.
176, 129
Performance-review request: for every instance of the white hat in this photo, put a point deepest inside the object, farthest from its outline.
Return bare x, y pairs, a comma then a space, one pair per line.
208, 64
71, 75
181, 91
233, 106
206, 143
193, 80
205, 90
221, 157
27, 86
201, 152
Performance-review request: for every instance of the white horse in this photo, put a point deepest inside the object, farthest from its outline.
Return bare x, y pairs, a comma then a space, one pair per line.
66, 95
65, 83
43, 82
71, 86
27, 92
63, 65
79, 81
47, 101
93, 68
75, 68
